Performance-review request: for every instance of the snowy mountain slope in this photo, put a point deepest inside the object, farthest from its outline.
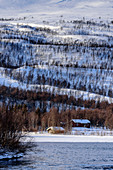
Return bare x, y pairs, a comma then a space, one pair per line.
68, 8
58, 46
73, 58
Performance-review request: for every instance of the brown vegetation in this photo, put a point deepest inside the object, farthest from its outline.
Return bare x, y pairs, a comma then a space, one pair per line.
44, 96
98, 117
11, 124
99, 113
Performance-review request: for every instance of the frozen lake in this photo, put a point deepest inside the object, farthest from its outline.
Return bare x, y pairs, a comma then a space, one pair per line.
65, 156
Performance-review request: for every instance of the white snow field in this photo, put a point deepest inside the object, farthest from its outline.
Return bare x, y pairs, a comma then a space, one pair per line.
51, 9
36, 137
76, 135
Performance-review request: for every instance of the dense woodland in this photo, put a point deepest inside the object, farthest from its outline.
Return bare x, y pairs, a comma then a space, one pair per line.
99, 113
32, 96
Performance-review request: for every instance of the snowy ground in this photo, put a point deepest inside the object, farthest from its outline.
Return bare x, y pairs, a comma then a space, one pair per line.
77, 135
35, 137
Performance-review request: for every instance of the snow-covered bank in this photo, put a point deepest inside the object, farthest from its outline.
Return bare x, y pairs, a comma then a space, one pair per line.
7, 155
36, 137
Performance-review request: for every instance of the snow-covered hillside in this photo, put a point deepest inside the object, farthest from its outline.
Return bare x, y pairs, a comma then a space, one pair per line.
62, 56
58, 46
51, 9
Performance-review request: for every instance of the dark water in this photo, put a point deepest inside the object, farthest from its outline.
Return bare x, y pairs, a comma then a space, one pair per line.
65, 156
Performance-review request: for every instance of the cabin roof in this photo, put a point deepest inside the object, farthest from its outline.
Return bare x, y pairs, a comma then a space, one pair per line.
82, 121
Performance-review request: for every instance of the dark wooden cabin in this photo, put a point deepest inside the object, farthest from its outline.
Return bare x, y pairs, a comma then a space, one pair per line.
81, 123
